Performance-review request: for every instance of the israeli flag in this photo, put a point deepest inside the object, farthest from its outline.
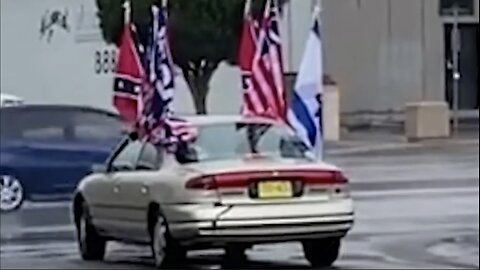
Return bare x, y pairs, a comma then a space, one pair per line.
305, 111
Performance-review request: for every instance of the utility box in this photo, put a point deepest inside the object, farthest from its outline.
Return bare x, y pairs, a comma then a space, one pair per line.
331, 113
427, 120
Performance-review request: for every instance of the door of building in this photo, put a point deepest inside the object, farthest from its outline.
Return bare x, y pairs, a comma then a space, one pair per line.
468, 66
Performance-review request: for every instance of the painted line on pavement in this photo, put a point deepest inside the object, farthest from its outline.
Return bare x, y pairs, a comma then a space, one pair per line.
409, 192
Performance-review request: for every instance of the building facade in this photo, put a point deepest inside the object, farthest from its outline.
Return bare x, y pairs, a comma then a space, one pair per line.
382, 53
385, 53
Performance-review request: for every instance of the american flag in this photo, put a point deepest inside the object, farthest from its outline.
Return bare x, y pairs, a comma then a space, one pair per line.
264, 90
128, 78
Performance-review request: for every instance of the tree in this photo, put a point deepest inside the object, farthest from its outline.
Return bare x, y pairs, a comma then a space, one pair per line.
203, 34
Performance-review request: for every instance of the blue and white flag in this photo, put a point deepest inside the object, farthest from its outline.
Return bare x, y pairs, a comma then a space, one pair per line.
305, 111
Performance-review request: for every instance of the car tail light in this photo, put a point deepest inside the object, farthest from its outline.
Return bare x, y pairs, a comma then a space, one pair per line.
202, 182
324, 177
226, 180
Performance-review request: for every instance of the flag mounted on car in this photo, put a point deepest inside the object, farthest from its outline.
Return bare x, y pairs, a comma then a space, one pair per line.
305, 112
262, 66
129, 74
157, 91
248, 45
144, 83
157, 120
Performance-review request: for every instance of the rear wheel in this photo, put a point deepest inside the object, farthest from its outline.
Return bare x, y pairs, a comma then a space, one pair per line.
236, 253
165, 251
321, 252
92, 246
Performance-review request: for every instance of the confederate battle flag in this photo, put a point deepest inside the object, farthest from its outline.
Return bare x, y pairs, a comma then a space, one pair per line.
128, 77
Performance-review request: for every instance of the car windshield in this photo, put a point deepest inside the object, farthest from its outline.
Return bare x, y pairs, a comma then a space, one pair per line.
240, 140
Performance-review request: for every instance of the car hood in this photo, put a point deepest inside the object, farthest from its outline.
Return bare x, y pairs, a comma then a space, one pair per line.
257, 164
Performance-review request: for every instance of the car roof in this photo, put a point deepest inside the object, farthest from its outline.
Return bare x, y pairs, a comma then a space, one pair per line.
225, 118
27, 107
4, 96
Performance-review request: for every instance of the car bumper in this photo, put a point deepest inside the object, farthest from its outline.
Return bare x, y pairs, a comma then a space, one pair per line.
232, 224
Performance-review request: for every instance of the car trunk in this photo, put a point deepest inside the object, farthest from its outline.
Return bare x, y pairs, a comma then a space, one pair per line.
266, 181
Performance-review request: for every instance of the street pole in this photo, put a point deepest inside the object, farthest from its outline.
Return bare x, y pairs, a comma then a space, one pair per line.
455, 40
424, 49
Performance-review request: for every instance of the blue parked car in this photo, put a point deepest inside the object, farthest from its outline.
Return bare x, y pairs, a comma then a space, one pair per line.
45, 150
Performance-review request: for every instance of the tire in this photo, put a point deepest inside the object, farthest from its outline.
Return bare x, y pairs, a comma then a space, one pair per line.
322, 252
165, 252
92, 246
236, 253
12, 193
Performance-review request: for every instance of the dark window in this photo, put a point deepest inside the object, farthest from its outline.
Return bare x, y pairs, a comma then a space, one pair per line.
34, 124
90, 125
245, 139
149, 158
466, 7
44, 133
127, 157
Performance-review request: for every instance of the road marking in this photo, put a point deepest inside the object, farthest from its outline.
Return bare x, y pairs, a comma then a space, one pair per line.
45, 205
408, 192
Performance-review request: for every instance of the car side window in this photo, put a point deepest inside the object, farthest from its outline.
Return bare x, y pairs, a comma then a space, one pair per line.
91, 125
126, 159
45, 124
150, 158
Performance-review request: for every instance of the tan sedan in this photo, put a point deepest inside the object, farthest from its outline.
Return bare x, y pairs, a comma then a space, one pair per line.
244, 181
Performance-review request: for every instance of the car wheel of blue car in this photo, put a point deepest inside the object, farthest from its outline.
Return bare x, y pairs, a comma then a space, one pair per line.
11, 193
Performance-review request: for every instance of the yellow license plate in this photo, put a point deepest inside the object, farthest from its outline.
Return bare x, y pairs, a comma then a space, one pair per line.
275, 189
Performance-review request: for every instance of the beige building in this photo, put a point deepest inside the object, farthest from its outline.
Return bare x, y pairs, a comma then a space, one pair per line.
385, 53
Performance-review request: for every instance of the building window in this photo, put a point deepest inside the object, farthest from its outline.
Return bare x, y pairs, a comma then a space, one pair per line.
466, 7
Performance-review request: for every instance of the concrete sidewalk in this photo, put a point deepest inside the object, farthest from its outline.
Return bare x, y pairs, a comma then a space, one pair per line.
385, 140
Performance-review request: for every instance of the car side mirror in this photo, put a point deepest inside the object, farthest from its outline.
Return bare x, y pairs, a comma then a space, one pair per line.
99, 168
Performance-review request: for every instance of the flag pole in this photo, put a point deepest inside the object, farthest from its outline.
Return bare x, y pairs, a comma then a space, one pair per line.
268, 4
128, 11
316, 18
246, 11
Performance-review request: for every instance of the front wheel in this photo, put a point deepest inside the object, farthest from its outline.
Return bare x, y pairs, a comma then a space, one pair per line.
321, 252
12, 193
92, 246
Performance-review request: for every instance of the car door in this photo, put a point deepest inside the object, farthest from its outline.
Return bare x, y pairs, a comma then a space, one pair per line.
108, 207
42, 155
135, 193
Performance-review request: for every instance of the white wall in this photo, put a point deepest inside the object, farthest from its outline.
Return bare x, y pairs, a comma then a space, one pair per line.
63, 70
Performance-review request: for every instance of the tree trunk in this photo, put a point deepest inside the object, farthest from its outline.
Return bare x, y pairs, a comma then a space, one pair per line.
198, 78
199, 95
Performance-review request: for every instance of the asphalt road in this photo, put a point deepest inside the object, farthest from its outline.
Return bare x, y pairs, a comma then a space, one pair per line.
415, 209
